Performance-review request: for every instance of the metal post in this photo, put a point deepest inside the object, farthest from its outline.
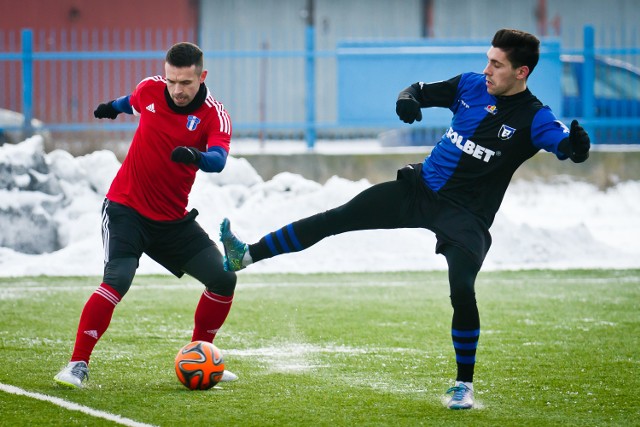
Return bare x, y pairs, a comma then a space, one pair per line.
588, 80
310, 77
27, 81
262, 94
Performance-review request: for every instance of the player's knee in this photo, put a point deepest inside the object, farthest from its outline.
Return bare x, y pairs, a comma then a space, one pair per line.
119, 272
463, 299
223, 283
462, 293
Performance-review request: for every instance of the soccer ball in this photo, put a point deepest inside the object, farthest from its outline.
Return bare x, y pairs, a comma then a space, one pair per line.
199, 365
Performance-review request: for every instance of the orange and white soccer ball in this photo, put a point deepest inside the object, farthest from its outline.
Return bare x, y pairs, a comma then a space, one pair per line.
199, 365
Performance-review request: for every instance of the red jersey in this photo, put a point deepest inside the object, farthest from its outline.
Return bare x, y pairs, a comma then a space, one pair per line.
148, 180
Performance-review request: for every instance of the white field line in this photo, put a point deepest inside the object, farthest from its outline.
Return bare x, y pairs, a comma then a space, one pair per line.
73, 406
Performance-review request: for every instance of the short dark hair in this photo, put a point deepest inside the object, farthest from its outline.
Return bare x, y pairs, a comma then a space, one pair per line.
185, 54
521, 48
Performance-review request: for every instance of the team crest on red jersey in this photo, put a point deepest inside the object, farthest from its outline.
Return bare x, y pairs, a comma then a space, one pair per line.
192, 122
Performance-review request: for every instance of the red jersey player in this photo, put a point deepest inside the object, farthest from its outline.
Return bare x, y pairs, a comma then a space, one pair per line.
182, 129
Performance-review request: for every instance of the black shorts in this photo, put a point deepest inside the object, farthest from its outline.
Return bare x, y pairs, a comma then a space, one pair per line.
127, 234
452, 224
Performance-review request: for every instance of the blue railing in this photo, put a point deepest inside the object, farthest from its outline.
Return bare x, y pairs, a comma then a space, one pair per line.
89, 76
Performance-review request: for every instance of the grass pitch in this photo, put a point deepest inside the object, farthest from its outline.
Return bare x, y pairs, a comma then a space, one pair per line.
556, 348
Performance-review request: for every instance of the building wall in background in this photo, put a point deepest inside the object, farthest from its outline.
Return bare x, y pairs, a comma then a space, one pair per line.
66, 90
97, 14
268, 88
279, 25
545, 18
248, 87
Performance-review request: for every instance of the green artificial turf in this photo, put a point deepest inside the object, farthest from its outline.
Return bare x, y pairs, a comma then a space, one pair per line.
557, 348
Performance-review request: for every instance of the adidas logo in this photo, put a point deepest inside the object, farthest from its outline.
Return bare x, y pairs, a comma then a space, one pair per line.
213, 331
151, 108
92, 333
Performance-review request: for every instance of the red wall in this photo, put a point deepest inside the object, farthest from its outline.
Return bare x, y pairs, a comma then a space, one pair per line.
67, 91
100, 14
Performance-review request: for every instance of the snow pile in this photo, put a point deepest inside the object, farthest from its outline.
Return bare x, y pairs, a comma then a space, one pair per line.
50, 219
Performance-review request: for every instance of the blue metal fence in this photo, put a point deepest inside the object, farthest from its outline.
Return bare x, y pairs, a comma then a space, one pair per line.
60, 78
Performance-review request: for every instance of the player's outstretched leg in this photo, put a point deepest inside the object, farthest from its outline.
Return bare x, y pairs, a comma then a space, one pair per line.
234, 248
73, 375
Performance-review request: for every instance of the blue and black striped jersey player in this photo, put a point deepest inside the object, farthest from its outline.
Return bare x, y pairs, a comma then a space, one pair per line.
456, 191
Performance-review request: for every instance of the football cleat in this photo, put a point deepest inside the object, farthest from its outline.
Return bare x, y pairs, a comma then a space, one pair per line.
234, 248
73, 375
228, 376
462, 397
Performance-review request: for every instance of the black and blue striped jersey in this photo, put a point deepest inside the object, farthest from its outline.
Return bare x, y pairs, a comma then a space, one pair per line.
488, 139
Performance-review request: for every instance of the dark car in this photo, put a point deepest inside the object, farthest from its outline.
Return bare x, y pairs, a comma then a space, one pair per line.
616, 96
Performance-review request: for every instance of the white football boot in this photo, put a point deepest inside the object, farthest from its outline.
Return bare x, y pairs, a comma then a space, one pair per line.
73, 375
462, 396
228, 376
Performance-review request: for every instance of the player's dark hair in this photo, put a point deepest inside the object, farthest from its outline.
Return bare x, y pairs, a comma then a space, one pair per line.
521, 48
185, 54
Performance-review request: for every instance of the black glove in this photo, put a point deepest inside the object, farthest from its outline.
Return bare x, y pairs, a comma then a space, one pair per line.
580, 143
186, 155
408, 108
106, 111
